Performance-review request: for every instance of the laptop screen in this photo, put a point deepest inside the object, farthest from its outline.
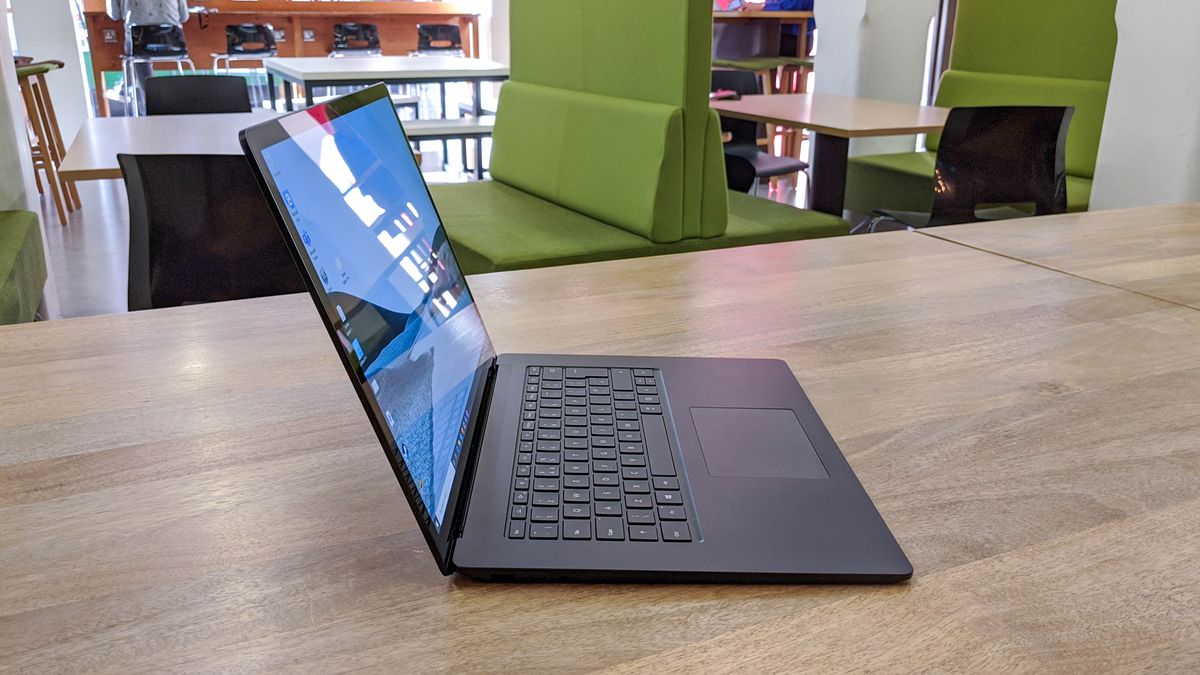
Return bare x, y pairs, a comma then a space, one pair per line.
388, 281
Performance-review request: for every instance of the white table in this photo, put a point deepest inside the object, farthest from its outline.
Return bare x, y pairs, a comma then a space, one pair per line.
314, 71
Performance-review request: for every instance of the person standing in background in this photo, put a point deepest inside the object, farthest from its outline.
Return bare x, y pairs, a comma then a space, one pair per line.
146, 13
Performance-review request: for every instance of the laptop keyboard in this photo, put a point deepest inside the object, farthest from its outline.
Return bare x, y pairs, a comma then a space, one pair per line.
593, 461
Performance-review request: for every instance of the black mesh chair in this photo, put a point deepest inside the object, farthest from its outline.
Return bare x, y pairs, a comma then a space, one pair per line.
356, 39
439, 38
992, 161
197, 94
744, 134
145, 46
201, 231
246, 42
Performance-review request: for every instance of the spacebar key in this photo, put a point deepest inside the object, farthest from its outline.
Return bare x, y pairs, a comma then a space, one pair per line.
658, 448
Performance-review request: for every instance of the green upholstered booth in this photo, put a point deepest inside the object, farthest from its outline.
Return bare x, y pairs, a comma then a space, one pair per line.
22, 266
604, 145
1017, 52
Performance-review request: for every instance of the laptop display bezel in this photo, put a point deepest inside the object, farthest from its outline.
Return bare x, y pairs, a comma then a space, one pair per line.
254, 141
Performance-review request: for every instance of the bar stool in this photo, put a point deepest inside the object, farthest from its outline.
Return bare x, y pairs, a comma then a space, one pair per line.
46, 142
151, 44
439, 39
355, 39
247, 42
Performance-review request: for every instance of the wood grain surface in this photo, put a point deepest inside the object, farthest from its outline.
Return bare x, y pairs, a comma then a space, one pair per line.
841, 116
1150, 250
197, 489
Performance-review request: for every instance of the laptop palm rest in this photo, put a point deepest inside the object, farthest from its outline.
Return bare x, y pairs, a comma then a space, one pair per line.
755, 443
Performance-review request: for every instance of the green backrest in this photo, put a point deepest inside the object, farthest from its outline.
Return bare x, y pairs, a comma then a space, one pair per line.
616, 160
1036, 52
962, 88
642, 52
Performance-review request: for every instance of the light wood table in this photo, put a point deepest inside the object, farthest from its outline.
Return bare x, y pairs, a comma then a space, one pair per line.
198, 488
93, 153
1155, 251
834, 120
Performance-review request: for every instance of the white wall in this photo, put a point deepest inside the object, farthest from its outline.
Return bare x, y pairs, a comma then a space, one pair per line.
46, 30
874, 49
17, 191
1150, 146
498, 30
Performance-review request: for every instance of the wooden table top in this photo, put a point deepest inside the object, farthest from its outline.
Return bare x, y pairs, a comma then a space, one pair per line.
842, 116
93, 153
1155, 251
198, 489
391, 68
760, 15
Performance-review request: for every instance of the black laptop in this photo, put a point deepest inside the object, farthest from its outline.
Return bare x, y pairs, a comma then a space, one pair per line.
540, 466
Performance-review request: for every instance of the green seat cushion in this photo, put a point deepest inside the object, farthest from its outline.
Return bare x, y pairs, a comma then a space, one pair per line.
496, 227
904, 182
22, 266
616, 160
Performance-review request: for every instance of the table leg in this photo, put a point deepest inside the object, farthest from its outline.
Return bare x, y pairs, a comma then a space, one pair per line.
271, 88
830, 157
477, 94
287, 96
308, 96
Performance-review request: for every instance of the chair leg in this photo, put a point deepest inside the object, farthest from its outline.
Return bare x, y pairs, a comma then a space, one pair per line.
57, 147
35, 117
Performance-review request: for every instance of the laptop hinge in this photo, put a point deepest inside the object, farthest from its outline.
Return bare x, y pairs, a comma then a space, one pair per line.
464, 493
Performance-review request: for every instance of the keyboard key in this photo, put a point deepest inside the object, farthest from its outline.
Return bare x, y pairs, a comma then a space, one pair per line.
644, 400
626, 405
609, 509
639, 501
528, 424
581, 529
607, 494
546, 458
599, 382
604, 442
676, 532
531, 397
576, 411
575, 400
575, 468
600, 410
520, 483
576, 496
587, 372
626, 415
575, 421
606, 479
577, 482
550, 403
575, 393
636, 517
543, 531
525, 446
541, 514
624, 436
635, 473
529, 405
516, 529
529, 415
545, 484
555, 385
549, 446
647, 391
550, 414
552, 373
611, 529
533, 370
577, 511
545, 499
603, 431
642, 372
651, 409
643, 381
527, 435
669, 498
575, 455
523, 470
666, 483
575, 432
671, 513
549, 424
641, 533
631, 460
546, 471
549, 435
632, 449
520, 497
624, 396
604, 453
575, 381
637, 487
658, 449
605, 420
558, 394
622, 379
628, 425
518, 512
600, 391
604, 466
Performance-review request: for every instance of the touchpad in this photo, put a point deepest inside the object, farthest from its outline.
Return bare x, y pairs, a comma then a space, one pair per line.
753, 443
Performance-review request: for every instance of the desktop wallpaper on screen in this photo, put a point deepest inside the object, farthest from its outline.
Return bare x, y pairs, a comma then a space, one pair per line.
391, 284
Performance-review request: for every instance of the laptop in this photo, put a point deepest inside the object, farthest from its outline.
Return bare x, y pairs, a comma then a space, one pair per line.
540, 466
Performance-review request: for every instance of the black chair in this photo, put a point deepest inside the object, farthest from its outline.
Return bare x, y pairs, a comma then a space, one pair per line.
146, 45
990, 162
197, 94
247, 42
201, 231
439, 38
356, 39
744, 141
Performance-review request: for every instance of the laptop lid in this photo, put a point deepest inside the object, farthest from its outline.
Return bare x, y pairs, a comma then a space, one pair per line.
358, 217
